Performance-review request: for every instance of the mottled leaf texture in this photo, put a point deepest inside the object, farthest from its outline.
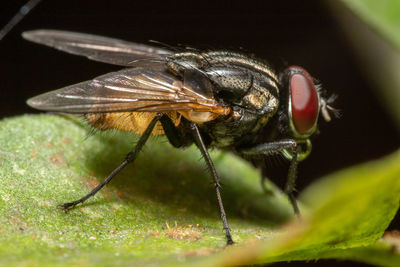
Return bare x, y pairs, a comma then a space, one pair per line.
162, 210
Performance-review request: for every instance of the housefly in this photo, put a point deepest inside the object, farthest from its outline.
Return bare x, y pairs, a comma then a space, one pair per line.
215, 99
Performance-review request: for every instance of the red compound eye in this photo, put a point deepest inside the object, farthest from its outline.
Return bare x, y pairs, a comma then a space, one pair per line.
304, 100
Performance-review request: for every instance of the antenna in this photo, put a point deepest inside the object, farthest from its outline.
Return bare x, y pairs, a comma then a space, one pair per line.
23, 11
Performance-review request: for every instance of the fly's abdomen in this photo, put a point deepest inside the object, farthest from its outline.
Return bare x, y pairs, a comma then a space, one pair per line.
129, 121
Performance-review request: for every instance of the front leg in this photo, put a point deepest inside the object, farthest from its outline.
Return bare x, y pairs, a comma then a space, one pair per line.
283, 146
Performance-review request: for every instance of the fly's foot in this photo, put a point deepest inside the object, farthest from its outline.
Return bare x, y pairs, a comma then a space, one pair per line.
67, 206
230, 242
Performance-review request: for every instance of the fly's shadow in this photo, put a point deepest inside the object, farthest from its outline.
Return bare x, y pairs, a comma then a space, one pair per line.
177, 177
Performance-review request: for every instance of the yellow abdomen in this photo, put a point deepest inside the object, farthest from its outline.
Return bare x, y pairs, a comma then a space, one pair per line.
130, 121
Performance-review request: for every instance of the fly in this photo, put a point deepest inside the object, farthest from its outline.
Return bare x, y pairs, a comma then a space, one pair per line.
216, 99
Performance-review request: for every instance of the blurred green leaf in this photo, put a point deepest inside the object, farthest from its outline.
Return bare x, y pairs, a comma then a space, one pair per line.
162, 210
347, 212
373, 28
382, 15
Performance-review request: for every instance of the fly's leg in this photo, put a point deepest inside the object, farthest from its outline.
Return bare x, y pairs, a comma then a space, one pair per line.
272, 148
130, 157
172, 133
200, 144
291, 182
177, 140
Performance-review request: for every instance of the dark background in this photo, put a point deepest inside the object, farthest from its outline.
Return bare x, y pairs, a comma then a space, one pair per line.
301, 32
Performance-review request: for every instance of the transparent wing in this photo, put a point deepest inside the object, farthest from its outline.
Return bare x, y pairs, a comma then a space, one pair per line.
135, 89
99, 48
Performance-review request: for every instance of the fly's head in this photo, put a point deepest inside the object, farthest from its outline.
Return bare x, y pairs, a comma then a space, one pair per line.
303, 103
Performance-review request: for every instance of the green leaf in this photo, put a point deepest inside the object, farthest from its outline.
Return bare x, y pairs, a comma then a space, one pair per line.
162, 210
382, 15
373, 27
47, 160
347, 213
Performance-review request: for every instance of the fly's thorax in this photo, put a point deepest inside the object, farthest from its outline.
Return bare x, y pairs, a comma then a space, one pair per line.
252, 106
231, 77
262, 97
258, 105
180, 62
248, 117
240, 127
248, 87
